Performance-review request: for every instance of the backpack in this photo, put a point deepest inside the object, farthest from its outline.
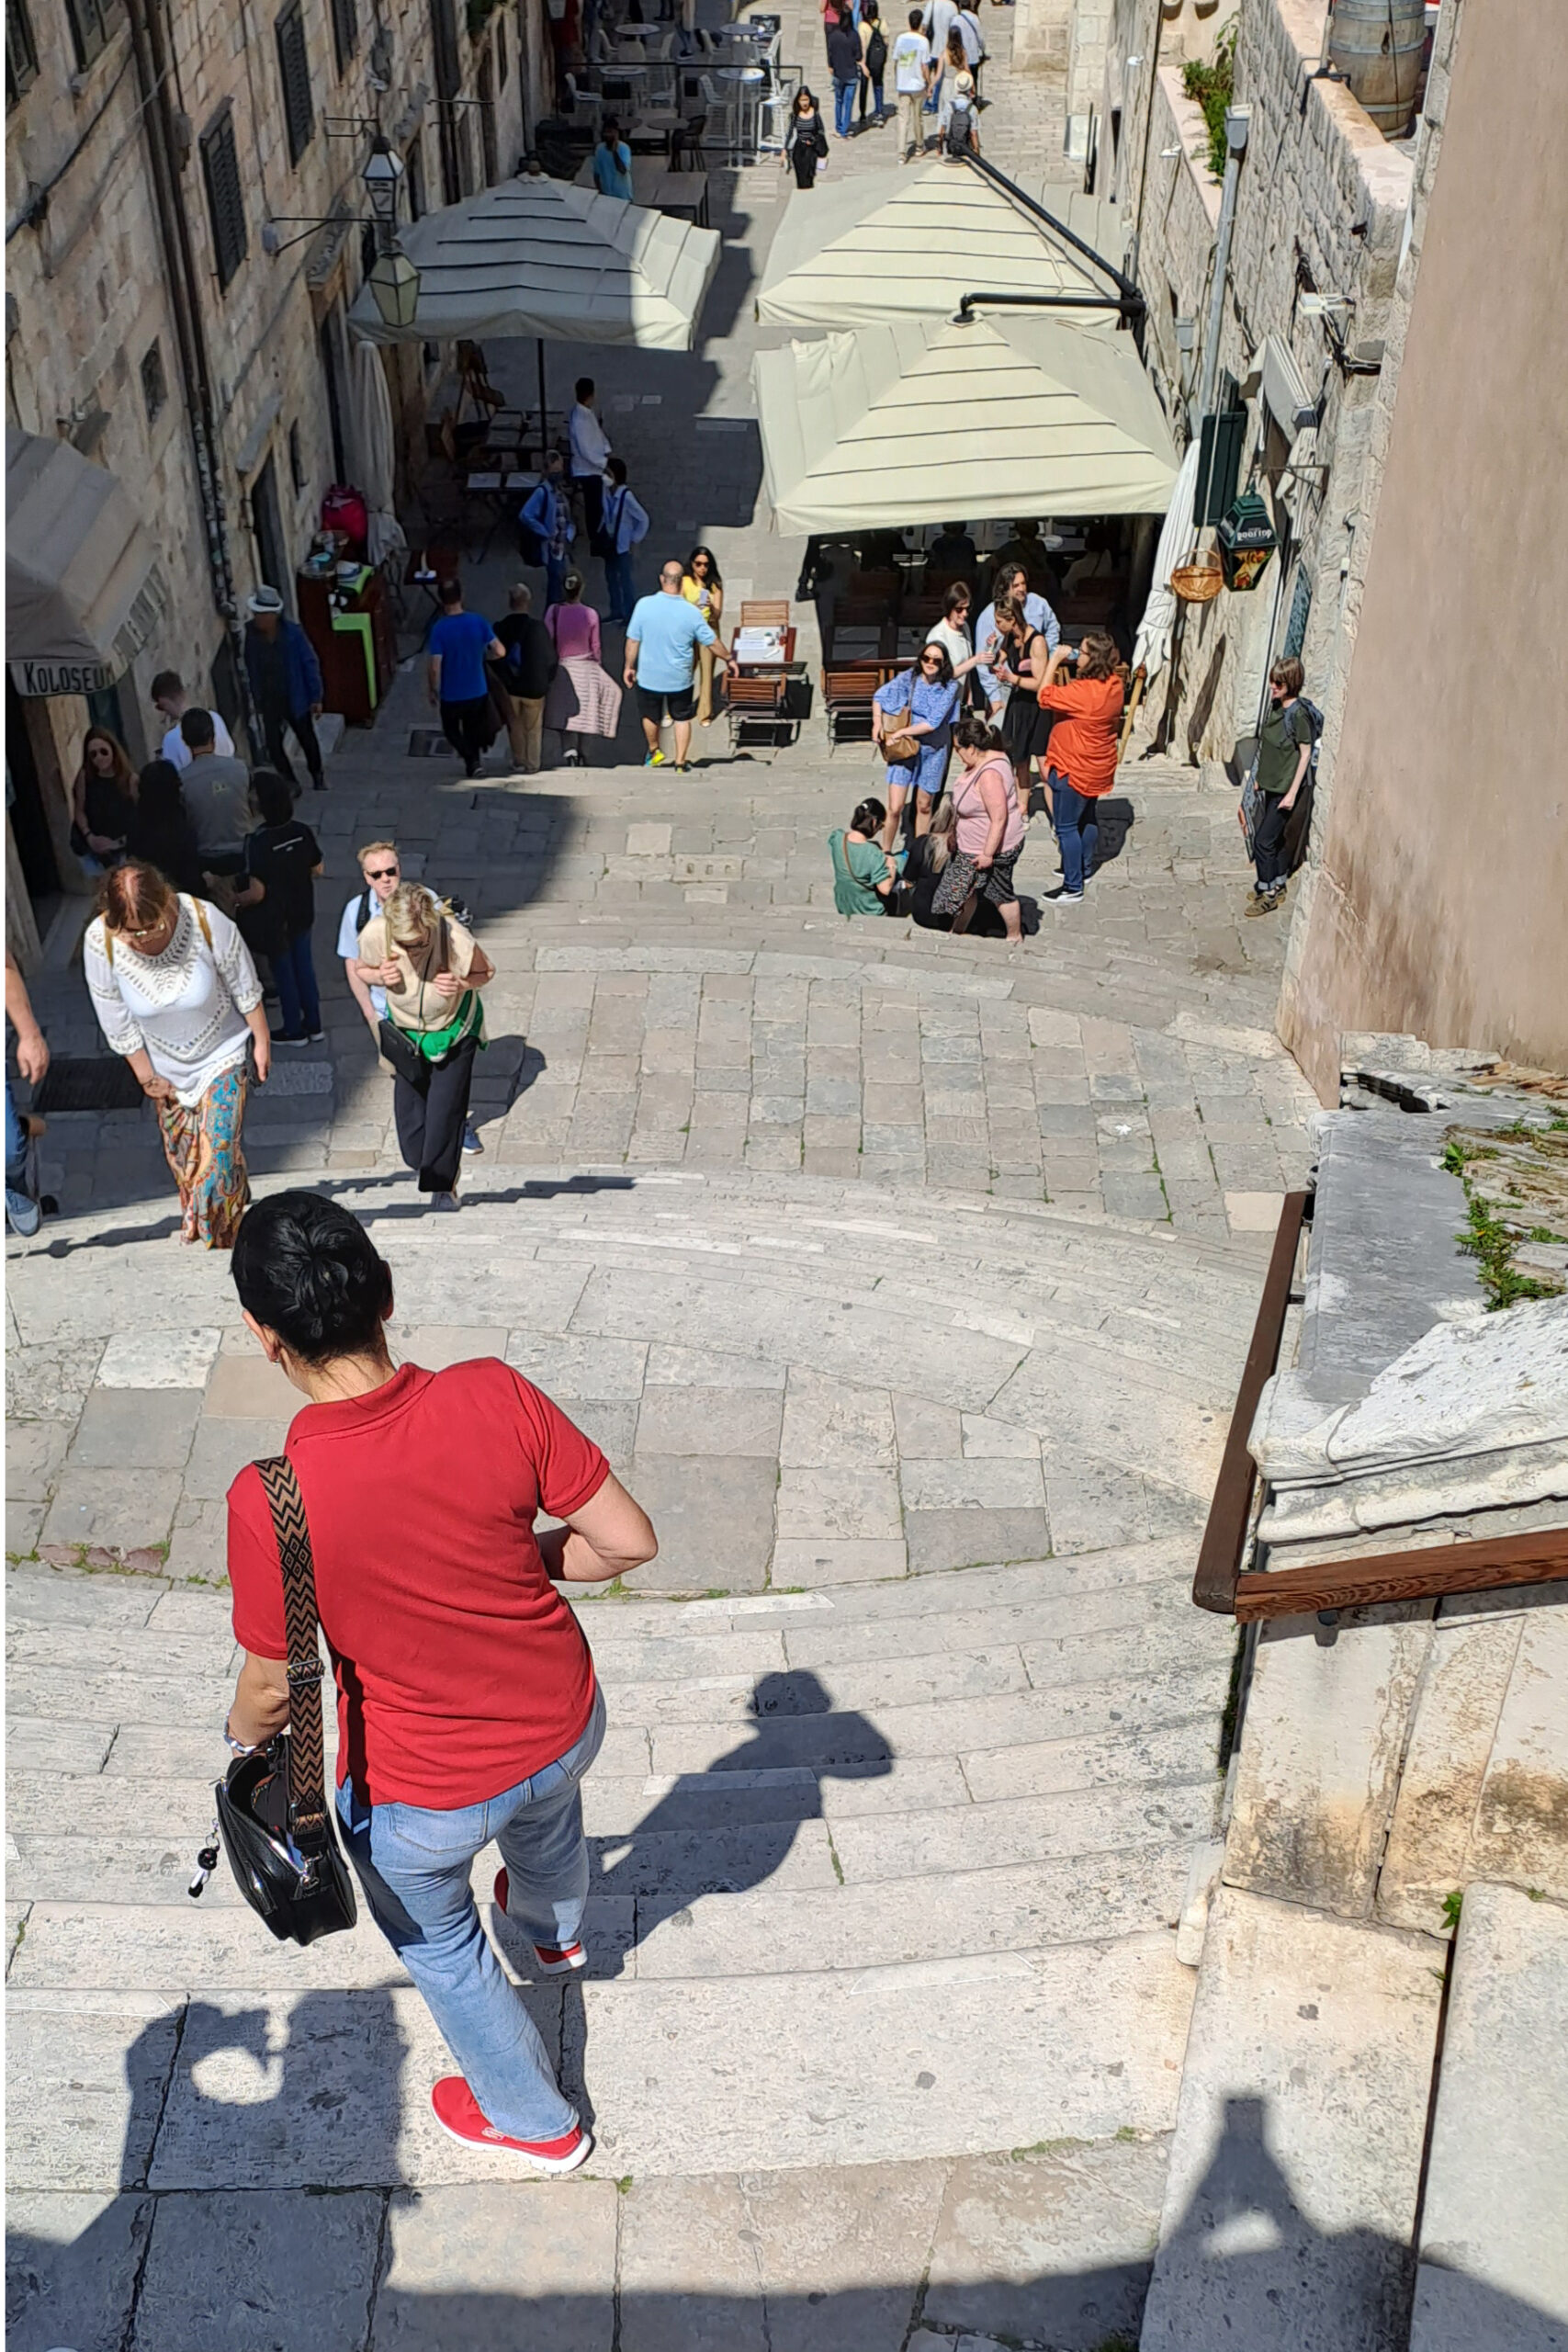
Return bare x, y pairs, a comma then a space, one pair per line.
877, 54
1314, 718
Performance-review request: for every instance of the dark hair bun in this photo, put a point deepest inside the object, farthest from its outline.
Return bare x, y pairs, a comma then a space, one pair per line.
308, 1271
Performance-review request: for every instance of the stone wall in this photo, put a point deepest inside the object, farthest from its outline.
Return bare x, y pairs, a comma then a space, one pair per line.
1454, 927
1321, 206
90, 294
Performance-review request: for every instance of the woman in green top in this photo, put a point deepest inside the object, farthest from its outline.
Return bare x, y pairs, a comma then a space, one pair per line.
863, 875
1284, 755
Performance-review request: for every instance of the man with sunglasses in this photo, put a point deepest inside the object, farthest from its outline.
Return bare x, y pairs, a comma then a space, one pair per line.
382, 869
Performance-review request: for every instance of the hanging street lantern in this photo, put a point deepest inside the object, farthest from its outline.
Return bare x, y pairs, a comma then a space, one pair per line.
394, 284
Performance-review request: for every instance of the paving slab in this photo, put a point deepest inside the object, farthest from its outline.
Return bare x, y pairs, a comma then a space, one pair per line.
1291, 2200
73, 2258
284, 2269
1493, 2255
497, 2265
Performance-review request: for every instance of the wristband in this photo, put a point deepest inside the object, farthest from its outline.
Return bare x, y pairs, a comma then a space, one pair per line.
235, 1746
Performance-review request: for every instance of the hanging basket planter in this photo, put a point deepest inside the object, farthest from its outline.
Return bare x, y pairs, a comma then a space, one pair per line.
1200, 579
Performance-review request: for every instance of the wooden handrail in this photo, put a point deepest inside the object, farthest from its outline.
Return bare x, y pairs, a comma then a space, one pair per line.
1489, 1565
1224, 1536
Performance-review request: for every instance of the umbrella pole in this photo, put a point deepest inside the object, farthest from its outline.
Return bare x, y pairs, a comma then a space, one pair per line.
1139, 677
544, 412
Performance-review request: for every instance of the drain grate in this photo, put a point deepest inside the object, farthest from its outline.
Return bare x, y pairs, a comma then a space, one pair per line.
105, 1082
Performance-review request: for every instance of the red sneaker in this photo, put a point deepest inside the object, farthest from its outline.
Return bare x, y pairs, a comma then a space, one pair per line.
458, 2111
555, 1959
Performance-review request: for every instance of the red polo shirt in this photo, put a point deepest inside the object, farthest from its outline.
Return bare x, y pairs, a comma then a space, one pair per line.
460, 1669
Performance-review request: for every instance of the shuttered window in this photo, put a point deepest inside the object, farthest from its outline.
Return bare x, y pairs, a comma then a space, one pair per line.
225, 199
94, 24
21, 53
294, 67
345, 33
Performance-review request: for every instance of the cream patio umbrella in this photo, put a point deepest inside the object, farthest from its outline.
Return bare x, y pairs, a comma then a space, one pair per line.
904, 244
535, 256
1016, 414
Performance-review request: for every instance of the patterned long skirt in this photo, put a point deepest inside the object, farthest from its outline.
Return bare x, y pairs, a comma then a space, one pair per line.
202, 1148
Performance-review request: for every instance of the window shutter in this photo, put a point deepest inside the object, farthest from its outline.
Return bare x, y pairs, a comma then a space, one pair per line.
345, 33
93, 24
294, 67
225, 199
21, 52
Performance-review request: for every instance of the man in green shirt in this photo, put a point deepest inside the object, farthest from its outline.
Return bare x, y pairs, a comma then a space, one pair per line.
1284, 755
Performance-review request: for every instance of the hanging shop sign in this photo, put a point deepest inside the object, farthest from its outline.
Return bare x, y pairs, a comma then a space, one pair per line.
1247, 539
63, 677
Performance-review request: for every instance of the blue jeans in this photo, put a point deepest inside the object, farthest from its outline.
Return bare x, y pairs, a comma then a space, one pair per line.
555, 579
20, 1205
843, 107
1077, 821
298, 1002
414, 1867
618, 580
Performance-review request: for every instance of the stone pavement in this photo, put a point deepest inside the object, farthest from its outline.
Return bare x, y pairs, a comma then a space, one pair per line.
907, 1280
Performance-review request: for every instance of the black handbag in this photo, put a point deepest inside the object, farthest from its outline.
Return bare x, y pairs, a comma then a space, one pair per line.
398, 1048
273, 1815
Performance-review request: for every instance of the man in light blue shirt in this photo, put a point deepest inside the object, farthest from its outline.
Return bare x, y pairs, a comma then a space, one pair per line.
613, 163
663, 637
1013, 581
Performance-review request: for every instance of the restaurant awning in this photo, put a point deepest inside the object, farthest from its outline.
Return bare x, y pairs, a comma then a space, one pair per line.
539, 257
82, 590
1008, 415
910, 243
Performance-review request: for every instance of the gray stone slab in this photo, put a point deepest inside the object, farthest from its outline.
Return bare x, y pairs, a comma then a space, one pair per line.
841, 2251
710, 1420
1493, 2255
87, 2074
151, 1358
973, 1537
45, 1743
95, 1507
845, 1503
887, 2065
135, 1428
1079, 1820
572, 1367
674, 2235
222, 1449
714, 1517
246, 1388
71, 2260
283, 2269
1054, 2248
496, 2265
1290, 2198
34, 1453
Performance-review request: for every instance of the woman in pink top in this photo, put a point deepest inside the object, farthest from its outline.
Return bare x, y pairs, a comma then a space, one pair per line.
583, 698
990, 830
573, 625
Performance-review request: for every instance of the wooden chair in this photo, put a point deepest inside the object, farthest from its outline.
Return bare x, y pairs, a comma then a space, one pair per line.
766, 613
759, 701
847, 696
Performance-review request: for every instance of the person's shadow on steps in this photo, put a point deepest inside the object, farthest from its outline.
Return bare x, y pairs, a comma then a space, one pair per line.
731, 1828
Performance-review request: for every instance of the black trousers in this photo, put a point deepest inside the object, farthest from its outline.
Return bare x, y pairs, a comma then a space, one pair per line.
431, 1113
1268, 843
592, 488
467, 726
274, 723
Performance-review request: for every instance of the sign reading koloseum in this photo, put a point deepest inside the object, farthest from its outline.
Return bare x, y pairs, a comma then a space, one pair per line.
62, 677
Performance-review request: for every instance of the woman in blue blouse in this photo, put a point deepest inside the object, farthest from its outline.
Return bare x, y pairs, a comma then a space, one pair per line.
921, 702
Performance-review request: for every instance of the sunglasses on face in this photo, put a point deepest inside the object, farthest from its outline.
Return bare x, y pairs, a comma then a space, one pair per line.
926, 664
380, 874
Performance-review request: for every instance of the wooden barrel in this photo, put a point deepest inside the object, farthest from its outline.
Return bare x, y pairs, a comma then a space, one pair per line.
1378, 46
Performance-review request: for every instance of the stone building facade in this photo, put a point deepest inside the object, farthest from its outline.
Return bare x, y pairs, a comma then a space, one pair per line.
114, 278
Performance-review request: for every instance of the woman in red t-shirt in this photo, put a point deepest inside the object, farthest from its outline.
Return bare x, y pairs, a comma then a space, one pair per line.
1084, 745
468, 1707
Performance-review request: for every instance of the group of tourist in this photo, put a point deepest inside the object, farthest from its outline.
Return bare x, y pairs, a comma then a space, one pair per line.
1042, 710
936, 58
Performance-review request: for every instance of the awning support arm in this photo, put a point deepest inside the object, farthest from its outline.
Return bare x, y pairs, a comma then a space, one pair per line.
965, 316
1060, 228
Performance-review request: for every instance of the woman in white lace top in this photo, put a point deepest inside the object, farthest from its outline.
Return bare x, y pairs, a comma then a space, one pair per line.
176, 993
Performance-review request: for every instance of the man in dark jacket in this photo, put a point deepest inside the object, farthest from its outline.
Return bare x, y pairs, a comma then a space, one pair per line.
520, 684
285, 680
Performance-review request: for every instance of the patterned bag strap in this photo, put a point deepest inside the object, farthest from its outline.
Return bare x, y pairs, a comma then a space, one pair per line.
307, 1763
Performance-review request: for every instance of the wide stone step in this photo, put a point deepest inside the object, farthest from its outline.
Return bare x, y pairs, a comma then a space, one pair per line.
1291, 2197
1494, 2250
753, 2073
